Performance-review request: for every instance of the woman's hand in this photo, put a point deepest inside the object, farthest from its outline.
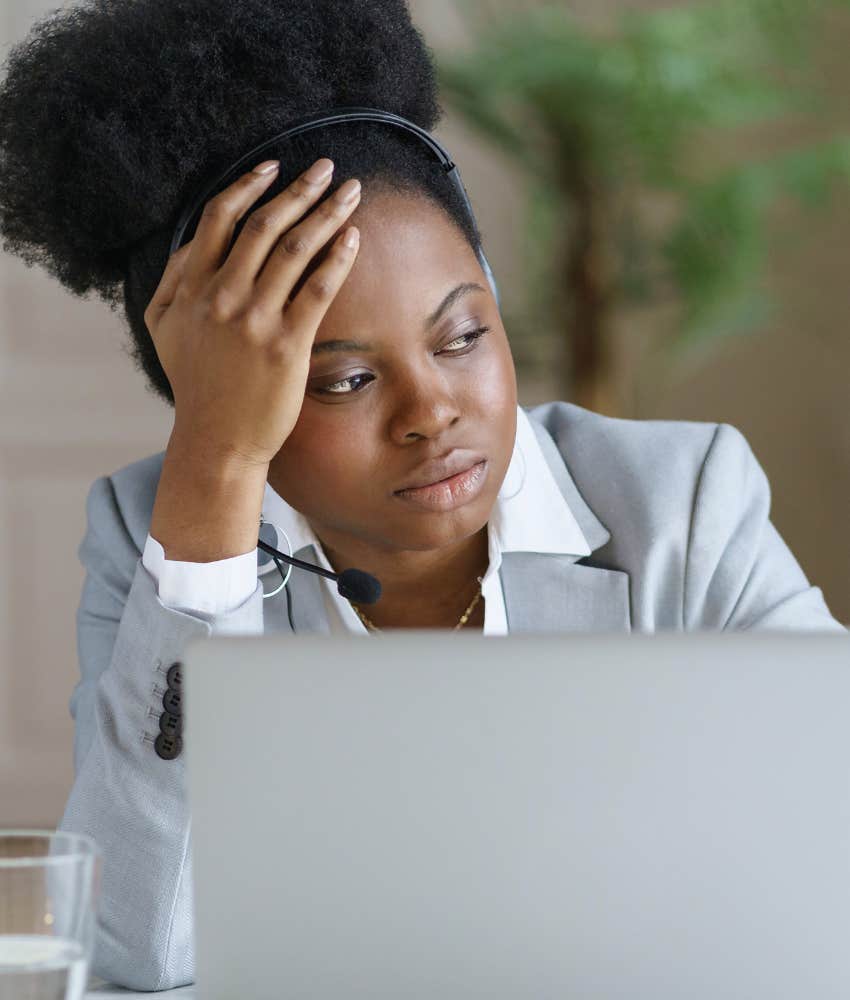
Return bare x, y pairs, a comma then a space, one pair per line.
235, 349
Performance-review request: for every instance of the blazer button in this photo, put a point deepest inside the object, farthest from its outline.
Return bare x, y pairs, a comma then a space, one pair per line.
167, 747
171, 701
174, 676
170, 725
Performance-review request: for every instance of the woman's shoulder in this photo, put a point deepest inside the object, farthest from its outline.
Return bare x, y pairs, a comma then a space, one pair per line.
642, 477
584, 435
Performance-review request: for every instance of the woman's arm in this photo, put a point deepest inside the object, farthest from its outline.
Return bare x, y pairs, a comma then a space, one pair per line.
132, 801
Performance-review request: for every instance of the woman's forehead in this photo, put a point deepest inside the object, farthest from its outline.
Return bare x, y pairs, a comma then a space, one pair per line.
411, 255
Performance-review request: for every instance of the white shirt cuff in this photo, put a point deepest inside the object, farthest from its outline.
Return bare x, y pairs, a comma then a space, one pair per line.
216, 587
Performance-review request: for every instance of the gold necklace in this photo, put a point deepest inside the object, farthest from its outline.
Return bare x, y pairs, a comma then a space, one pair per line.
464, 618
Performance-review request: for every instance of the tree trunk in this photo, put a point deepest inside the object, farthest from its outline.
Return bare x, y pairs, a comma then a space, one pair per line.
587, 332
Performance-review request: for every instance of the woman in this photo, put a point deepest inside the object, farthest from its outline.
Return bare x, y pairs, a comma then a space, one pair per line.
321, 386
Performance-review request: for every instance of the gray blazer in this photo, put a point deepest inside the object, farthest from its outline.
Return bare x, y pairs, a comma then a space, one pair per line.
677, 517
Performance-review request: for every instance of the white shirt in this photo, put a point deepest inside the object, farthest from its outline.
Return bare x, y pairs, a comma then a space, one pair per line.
530, 515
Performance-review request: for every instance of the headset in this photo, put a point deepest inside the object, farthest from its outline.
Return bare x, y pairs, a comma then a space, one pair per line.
351, 583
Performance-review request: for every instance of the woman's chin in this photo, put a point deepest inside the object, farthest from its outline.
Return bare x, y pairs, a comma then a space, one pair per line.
429, 530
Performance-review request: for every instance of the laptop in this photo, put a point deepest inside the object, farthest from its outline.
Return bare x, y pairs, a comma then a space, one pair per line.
446, 815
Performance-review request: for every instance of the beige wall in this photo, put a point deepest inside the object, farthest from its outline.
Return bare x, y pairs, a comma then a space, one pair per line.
72, 408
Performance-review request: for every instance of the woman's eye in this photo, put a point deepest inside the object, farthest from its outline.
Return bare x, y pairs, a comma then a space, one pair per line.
355, 383
339, 388
467, 338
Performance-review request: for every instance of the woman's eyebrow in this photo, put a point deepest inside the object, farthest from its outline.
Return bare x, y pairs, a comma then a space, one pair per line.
449, 301
354, 345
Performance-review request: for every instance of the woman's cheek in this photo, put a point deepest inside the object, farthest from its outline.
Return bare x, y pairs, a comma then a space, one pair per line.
494, 384
322, 461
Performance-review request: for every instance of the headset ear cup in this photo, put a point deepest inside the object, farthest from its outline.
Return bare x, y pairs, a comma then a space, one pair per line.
490, 277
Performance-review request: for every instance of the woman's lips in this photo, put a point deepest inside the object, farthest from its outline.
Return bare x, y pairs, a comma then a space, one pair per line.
448, 493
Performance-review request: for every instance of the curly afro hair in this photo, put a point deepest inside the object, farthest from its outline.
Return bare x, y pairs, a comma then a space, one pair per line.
113, 113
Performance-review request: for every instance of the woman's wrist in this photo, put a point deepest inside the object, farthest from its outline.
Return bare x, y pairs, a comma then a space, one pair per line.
207, 505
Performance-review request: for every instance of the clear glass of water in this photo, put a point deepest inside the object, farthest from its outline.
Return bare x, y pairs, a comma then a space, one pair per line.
49, 882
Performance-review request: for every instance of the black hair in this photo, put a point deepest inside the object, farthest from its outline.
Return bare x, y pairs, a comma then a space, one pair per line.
113, 113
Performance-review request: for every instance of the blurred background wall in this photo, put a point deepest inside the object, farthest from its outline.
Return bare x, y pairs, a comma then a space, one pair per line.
72, 408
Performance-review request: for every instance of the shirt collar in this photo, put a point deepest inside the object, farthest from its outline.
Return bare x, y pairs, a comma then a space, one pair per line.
530, 513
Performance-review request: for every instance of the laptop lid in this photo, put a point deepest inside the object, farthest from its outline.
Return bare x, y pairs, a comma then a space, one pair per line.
446, 815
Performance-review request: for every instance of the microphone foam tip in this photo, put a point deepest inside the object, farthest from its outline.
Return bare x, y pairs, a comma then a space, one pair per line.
357, 586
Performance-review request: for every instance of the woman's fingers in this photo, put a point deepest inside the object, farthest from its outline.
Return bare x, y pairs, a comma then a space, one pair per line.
307, 309
164, 294
217, 223
271, 223
296, 249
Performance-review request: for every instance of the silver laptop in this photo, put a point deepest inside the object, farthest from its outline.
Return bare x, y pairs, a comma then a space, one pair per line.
437, 816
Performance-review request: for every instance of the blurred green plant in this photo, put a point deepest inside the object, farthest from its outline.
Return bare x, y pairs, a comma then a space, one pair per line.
610, 126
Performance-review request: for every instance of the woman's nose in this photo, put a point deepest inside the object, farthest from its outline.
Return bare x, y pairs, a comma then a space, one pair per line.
423, 410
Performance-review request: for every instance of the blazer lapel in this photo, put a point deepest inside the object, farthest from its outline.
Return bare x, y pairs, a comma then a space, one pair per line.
549, 592
546, 592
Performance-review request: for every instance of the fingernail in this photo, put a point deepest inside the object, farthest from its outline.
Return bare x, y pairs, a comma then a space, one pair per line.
351, 238
320, 170
268, 167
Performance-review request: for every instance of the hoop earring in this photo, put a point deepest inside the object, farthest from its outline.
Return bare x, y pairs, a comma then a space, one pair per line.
522, 479
289, 569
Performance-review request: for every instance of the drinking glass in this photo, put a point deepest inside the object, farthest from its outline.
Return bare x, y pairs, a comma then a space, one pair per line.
49, 882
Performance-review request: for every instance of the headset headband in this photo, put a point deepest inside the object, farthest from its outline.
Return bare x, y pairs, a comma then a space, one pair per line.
306, 124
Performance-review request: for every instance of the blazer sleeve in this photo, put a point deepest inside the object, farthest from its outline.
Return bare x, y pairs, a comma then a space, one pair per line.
739, 572
124, 795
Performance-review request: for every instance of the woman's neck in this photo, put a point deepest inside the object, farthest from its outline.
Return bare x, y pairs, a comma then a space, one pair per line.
424, 589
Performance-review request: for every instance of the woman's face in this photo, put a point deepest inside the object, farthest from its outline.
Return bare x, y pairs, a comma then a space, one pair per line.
393, 385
